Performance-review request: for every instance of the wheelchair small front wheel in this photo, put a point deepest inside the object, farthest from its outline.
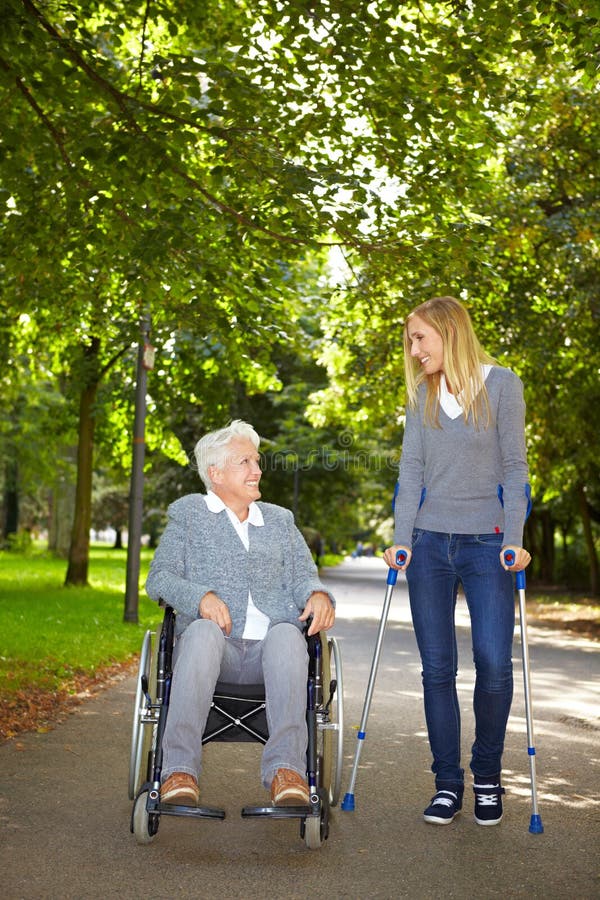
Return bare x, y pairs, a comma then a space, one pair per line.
314, 830
143, 824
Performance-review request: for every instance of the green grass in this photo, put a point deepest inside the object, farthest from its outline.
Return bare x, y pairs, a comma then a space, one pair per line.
331, 559
49, 632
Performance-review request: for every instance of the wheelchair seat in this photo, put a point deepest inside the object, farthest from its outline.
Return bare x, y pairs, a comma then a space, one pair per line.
238, 713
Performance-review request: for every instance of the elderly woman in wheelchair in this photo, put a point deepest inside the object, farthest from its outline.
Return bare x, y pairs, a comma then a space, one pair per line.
247, 597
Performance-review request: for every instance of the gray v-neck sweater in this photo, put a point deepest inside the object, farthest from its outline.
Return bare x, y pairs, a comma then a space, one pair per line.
450, 477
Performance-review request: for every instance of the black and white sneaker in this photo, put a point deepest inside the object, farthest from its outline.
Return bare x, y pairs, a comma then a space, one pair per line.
443, 808
488, 803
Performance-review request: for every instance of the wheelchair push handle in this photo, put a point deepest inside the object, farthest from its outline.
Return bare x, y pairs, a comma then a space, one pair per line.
509, 558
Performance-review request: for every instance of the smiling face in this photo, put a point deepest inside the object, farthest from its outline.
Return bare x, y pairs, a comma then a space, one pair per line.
237, 481
426, 345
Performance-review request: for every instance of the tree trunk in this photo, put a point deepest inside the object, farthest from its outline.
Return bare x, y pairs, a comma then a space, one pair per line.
589, 540
61, 504
533, 544
79, 551
11, 498
547, 548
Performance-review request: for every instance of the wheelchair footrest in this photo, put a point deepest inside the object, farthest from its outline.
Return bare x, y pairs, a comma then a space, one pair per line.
281, 812
193, 812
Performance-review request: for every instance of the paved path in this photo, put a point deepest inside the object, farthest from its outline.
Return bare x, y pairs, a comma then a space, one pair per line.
64, 812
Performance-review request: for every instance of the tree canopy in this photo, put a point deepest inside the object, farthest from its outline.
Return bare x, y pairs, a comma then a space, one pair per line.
275, 184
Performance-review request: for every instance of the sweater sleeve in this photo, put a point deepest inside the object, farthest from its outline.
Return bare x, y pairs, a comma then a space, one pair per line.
511, 436
410, 479
306, 574
166, 577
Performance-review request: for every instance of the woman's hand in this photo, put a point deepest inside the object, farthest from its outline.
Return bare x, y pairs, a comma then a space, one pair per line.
212, 607
390, 557
521, 558
320, 607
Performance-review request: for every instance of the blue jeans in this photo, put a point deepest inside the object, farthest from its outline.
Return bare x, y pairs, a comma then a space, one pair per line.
440, 562
202, 656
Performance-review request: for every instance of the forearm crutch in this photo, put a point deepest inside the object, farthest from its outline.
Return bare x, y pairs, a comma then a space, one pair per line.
348, 801
535, 825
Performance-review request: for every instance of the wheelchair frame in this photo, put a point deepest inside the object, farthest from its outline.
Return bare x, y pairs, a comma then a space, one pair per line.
237, 714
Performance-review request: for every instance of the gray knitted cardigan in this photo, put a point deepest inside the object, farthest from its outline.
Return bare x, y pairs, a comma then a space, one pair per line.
200, 551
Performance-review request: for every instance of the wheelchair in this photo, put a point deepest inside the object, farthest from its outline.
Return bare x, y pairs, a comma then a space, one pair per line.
238, 713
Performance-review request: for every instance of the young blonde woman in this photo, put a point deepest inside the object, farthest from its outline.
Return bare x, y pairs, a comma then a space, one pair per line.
462, 500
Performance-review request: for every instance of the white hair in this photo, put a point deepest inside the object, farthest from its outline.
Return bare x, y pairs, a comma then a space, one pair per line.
212, 449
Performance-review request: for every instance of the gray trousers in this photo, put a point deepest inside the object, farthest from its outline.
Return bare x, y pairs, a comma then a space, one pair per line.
203, 656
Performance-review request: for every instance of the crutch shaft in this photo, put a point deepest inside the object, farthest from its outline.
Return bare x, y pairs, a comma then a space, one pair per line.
376, 655
528, 703
535, 826
348, 801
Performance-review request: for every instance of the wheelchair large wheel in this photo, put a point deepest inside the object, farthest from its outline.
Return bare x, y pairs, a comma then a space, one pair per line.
330, 724
142, 733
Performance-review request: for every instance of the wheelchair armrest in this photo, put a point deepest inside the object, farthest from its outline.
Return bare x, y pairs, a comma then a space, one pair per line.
166, 606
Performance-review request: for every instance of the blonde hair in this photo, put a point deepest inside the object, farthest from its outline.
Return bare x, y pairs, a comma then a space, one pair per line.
463, 358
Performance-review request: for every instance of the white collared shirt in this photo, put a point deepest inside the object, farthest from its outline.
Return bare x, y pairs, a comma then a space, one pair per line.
257, 624
451, 404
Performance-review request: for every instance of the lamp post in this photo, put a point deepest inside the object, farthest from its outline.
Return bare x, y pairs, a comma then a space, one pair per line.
145, 362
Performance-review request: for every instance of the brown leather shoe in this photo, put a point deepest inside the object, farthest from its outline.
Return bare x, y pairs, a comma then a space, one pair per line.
289, 789
180, 789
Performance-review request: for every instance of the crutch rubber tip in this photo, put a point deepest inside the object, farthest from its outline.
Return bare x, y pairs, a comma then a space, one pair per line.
348, 803
535, 826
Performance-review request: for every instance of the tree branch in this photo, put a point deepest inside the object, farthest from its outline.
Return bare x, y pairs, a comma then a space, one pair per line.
80, 62
143, 50
30, 99
56, 136
124, 102
113, 359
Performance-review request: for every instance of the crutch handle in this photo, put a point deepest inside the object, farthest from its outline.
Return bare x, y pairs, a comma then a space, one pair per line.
392, 575
509, 558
